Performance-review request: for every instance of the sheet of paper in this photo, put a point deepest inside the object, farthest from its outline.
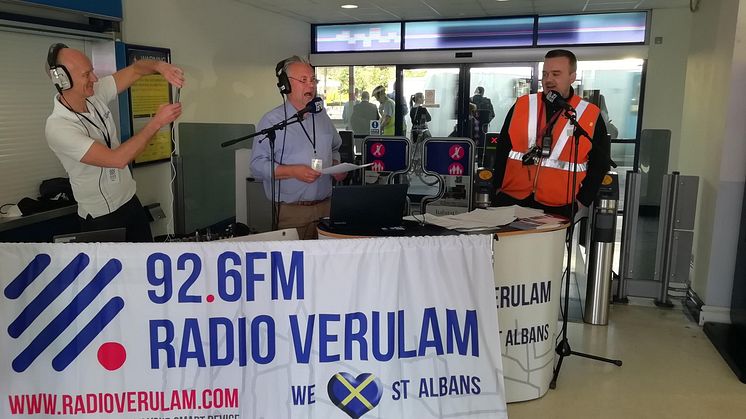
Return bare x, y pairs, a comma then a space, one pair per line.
342, 168
537, 223
475, 220
519, 211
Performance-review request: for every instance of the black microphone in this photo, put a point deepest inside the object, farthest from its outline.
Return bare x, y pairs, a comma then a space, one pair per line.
314, 106
556, 99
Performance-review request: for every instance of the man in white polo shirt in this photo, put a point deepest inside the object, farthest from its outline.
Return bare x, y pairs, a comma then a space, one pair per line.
82, 133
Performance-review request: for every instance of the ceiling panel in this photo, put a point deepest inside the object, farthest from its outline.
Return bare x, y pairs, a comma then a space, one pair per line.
329, 11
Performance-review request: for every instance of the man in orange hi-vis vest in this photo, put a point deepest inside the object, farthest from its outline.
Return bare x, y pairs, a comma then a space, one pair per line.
536, 148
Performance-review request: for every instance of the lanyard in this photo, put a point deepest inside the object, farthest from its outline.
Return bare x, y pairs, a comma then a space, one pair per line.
546, 129
105, 130
312, 141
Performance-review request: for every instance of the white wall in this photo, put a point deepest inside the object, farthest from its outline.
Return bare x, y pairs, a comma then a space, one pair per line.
732, 173
666, 74
712, 136
228, 51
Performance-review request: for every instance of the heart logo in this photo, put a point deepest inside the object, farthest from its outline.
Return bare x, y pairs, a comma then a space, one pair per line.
355, 396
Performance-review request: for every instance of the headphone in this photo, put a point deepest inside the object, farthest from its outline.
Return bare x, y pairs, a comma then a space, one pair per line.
283, 83
58, 72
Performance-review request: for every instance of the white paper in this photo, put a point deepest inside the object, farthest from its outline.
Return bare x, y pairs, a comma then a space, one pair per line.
342, 168
478, 219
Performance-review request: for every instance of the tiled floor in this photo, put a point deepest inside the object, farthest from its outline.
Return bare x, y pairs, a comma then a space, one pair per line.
671, 370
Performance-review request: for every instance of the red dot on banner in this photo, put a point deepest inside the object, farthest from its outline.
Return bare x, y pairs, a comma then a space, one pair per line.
111, 355
210, 298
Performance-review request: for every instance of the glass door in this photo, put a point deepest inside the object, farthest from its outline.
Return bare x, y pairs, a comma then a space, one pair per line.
432, 111
492, 92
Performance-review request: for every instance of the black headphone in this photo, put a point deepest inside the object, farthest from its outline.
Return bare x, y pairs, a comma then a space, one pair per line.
283, 83
58, 72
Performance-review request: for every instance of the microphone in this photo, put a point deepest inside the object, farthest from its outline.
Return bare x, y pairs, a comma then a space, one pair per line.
314, 106
556, 99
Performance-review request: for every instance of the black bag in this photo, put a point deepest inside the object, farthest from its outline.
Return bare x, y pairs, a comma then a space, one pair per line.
29, 206
56, 189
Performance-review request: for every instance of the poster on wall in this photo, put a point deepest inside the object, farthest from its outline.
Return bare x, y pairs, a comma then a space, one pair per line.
146, 95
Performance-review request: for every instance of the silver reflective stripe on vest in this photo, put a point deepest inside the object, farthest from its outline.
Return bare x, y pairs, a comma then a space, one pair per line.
567, 131
553, 163
563, 165
533, 105
516, 155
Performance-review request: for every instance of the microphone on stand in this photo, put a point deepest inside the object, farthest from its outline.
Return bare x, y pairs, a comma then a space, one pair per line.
555, 98
314, 106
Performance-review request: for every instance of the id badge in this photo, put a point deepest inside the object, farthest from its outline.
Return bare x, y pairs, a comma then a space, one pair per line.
112, 175
317, 164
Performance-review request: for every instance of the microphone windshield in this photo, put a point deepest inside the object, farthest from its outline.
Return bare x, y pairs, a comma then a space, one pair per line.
555, 98
315, 105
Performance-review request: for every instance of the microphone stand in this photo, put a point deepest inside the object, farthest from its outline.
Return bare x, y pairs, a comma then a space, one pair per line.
271, 134
563, 349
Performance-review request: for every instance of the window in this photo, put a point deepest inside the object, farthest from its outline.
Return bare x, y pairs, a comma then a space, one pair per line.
614, 86
343, 88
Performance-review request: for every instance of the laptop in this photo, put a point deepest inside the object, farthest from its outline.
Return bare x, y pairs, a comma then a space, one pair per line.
368, 206
110, 235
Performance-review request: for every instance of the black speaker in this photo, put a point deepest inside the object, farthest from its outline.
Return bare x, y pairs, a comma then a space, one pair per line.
283, 83
58, 72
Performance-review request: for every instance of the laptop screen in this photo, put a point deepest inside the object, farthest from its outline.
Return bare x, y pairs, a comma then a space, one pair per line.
370, 205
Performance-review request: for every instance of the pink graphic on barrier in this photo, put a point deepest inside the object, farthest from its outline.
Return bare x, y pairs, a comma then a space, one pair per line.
456, 152
377, 166
377, 149
455, 169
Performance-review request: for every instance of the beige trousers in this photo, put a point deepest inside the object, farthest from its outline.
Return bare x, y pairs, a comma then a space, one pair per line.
304, 218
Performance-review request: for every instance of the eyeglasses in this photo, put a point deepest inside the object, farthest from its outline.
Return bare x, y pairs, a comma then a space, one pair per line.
306, 80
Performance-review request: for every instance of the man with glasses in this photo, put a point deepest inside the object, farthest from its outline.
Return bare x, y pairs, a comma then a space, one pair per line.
536, 151
301, 151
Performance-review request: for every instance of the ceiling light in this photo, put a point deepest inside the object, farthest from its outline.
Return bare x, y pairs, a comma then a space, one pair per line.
349, 6
502, 0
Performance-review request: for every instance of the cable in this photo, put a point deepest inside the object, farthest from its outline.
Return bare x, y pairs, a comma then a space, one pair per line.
3, 206
423, 218
170, 223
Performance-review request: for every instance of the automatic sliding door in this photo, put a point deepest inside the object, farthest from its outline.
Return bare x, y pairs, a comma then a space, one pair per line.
492, 92
432, 95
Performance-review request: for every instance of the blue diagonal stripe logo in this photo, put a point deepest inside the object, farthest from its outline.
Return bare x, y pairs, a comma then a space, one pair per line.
67, 316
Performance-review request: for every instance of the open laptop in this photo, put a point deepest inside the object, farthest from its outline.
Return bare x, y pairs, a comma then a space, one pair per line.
110, 235
370, 206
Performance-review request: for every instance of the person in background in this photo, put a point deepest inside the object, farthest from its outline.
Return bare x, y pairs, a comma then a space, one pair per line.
301, 150
419, 116
523, 175
362, 114
387, 109
485, 111
348, 107
474, 127
82, 133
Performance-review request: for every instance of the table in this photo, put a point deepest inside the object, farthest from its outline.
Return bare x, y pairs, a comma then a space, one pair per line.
528, 266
